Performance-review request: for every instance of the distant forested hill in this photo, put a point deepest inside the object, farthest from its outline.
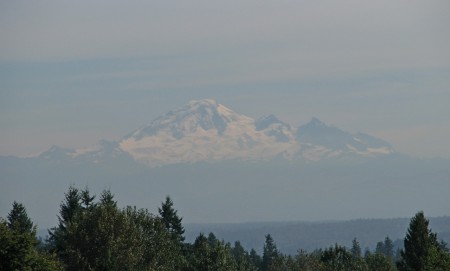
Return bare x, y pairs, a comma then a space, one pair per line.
291, 236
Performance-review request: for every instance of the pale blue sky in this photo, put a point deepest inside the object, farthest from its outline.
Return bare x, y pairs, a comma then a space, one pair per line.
75, 72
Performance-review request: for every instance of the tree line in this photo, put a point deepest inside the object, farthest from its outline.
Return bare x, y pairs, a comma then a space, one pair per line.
96, 235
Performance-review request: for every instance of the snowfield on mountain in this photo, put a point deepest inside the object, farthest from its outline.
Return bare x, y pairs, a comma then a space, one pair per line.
206, 131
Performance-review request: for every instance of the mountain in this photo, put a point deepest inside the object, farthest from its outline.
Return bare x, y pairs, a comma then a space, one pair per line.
274, 127
57, 153
222, 166
208, 131
322, 141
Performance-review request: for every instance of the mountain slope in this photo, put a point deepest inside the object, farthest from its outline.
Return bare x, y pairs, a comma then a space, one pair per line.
204, 131
323, 141
208, 131
272, 126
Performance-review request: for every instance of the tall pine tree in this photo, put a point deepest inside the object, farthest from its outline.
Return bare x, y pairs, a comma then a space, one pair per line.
18, 219
356, 249
388, 247
270, 253
418, 243
19, 246
171, 220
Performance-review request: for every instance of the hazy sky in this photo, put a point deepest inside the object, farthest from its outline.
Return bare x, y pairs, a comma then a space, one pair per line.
74, 72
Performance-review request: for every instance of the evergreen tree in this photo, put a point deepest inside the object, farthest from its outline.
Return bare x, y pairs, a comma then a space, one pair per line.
201, 260
19, 246
70, 207
239, 252
145, 241
418, 243
379, 262
308, 262
106, 198
255, 259
210, 254
171, 220
60, 239
18, 219
87, 200
212, 239
270, 253
379, 249
222, 257
388, 247
438, 259
337, 258
173, 226
100, 236
242, 258
366, 252
356, 249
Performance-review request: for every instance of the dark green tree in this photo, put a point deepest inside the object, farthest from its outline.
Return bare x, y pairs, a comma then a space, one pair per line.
255, 259
201, 256
356, 249
100, 236
19, 221
379, 262
69, 207
19, 246
171, 220
61, 239
212, 239
270, 253
210, 254
337, 258
87, 201
222, 257
379, 249
418, 243
174, 227
389, 247
308, 262
242, 258
438, 259
144, 240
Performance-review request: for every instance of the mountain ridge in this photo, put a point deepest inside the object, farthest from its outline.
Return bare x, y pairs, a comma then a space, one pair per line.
207, 131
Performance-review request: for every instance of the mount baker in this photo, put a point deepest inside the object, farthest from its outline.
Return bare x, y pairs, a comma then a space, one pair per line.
205, 130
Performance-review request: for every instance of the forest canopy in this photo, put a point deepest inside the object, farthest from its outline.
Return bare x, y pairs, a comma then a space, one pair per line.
93, 233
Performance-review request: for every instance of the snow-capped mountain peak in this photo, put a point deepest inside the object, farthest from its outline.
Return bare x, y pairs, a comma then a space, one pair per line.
266, 121
56, 153
201, 130
272, 126
197, 115
205, 130
336, 141
315, 122
318, 133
